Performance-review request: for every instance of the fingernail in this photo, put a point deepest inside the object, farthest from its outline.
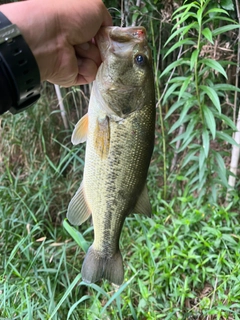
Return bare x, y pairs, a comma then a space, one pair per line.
84, 46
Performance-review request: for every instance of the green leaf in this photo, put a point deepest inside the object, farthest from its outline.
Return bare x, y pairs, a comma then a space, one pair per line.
227, 4
210, 121
226, 137
174, 65
65, 295
118, 293
191, 126
224, 29
76, 235
229, 238
169, 91
174, 107
184, 86
179, 44
199, 16
206, 142
207, 34
193, 168
216, 10
178, 79
194, 57
222, 173
182, 119
83, 298
183, 16
214, 65
201, 159
202, 168
190, 156
182, 31
212, 95
187, 7
186, 142
185, 135
226, 87
227, 120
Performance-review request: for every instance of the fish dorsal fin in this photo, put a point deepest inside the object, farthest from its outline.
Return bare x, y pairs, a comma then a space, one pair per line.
143, 204
78, 209
102, 137
80, 131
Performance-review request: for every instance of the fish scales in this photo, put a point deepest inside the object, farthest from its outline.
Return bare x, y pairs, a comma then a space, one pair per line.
120, 138
117, 176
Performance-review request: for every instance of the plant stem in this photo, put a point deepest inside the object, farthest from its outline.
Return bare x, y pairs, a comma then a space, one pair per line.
61, 106
235, 149
160, 115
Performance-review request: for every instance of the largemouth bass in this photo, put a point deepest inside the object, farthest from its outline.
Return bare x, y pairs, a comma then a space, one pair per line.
119, 131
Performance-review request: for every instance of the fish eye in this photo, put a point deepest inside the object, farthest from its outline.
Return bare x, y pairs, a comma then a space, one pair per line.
140, 59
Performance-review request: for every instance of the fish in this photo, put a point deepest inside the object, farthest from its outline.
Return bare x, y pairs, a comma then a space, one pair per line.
119, 131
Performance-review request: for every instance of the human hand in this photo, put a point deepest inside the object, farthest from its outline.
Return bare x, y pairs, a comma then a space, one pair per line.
60, 34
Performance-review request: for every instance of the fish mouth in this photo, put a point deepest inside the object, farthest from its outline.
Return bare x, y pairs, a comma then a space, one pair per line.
116, 39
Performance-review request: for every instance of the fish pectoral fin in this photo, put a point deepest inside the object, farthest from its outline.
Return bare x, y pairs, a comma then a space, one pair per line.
102, 137
96, 267
80, 131
78, 209
143, 204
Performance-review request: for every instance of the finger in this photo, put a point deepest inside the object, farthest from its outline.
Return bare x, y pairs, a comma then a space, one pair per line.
87, 70
107, 19
90, 51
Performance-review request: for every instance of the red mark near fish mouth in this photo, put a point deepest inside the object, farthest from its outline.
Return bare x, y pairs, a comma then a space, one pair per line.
139, 33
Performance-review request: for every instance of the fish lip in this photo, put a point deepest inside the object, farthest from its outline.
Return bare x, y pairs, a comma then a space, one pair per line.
108, 38
127, 34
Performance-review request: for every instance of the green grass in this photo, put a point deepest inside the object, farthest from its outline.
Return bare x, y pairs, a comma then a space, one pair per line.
182, 263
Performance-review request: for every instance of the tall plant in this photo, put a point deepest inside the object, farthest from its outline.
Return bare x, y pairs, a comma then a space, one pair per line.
198, 86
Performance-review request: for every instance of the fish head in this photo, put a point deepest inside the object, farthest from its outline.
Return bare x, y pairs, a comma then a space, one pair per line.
125, 78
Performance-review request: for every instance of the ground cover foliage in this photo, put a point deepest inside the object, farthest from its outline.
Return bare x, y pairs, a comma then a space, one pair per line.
184, 261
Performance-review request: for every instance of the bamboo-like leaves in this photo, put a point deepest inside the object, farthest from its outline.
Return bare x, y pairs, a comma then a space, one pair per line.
179, 44
209, 120
215, 65
212, 95
208, 34
205, 142
224, 29
197, 83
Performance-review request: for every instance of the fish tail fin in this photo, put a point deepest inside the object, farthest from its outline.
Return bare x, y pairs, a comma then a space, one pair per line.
96, 267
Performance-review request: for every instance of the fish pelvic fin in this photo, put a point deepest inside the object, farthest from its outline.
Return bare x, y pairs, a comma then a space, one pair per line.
96, 267
80, 131
78, 208
143, 203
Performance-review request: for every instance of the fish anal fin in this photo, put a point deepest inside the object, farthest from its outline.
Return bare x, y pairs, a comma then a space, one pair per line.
80, 131
143, 205
78, 208
96, 267
102, 137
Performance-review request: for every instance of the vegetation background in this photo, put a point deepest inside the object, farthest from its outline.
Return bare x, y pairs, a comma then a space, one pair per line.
184, 262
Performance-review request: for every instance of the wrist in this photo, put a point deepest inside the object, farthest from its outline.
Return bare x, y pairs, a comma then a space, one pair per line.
20, 66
